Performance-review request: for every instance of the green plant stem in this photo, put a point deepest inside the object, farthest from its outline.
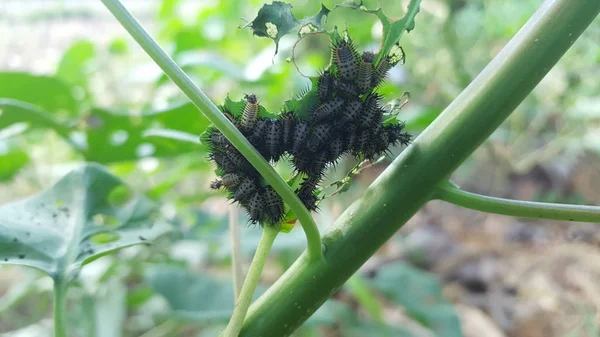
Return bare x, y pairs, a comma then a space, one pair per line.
524, 209
60, 308
236, 254
243, 302
409, 182
210, 110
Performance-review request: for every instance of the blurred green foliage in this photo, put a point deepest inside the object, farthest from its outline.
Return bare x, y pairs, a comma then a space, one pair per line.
105, 102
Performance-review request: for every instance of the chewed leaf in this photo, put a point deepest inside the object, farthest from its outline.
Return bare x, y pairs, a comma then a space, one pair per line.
85, 215
392, 29
276, 20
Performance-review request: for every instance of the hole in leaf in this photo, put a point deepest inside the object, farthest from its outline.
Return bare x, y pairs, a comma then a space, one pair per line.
119, 137
98, 219
106, 237
79, 139
148, 164
120, 196
106, 220
145, 150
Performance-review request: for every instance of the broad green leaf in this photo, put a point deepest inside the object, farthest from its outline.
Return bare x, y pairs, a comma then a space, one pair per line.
105, 136
73, 67
420, 294
79, 219
276, 20
14, 111
130, 137
11, 162
48, 93
196, 297
201, 298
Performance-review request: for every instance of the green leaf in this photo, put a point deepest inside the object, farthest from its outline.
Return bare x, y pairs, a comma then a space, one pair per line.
420, 294
118, 47
392, 29
276, 20
167, 9
48, 93
54, 231
196, 297
73, 67
136, 136
11, 163
161, 133
13, 112
202, 298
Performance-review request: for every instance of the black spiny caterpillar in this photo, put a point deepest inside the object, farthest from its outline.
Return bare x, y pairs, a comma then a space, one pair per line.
345, 117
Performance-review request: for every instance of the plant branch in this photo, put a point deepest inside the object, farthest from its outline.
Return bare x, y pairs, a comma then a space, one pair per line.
409, 182
523, 209
210, 110
60, 307
243, 301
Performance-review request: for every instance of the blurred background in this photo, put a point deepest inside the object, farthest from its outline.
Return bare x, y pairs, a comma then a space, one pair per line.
448, 272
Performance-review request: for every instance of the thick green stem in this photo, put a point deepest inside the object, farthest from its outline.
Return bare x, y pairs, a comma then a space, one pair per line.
408, 183
60, 308
523, 209
243, 302
204, 104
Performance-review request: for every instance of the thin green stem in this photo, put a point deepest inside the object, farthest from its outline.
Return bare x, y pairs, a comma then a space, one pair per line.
210, 110
60, 308
243, 302
523, 209
236, 254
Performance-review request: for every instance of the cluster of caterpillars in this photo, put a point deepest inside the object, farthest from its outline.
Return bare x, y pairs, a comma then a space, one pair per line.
346, 118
